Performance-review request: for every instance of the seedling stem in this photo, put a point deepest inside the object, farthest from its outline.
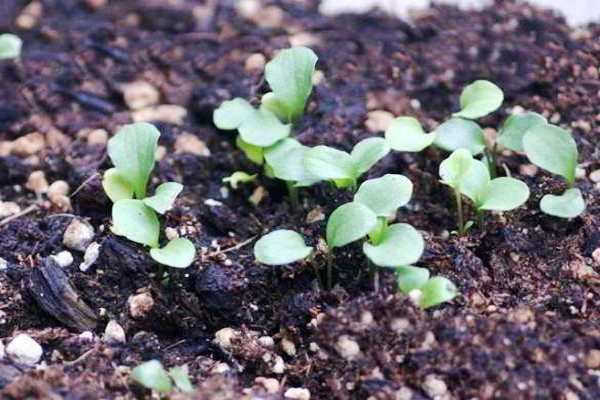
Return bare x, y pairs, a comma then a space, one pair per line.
459, 213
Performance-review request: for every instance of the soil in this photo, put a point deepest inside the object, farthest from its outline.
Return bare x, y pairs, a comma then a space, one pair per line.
526, 322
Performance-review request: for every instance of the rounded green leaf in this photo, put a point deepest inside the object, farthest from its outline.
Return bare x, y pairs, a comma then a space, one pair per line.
263, 129
479, 99
164, 197
367, 152
281, 247
152, 375
514, 128
348, 223
10, 46
385, 195
462, 172
410, 278
131, 151
254, 153
328, 163
401, 245
135, 221
289, 75
437, 290
115, 186
181, 378
553, 149
286, 157
407, 134
239, 177
178, 253
232, 113
271, 102
503, 194
568, 205
458, 133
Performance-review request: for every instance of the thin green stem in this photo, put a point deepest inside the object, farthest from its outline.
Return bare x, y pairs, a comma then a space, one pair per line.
293, 193
329, 269
480, 219
459, 213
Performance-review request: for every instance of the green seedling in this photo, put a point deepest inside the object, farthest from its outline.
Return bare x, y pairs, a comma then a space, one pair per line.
281, 247
470, 177
134, 214
239, 177
554, 149
426, 292
152, 375
344, 169
479, 99
10, 46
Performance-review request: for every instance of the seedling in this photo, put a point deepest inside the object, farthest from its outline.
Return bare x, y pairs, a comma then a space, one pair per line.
553, 149
327, 163
152, 375
10, 46
426, 292
470, 177
134, 215
239, 177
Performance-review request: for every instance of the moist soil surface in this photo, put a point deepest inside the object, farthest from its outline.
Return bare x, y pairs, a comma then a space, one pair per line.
525, 324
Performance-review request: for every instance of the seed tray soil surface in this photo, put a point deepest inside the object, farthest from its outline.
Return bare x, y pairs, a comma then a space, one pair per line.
525, 324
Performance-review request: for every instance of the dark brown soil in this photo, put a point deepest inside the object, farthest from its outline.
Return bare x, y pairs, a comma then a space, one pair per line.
526, 323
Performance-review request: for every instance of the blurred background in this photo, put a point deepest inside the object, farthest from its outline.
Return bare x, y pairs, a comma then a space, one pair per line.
577, 12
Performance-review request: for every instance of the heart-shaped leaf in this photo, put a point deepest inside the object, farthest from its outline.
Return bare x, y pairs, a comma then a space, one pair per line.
135, 221
348, 223
436, 291
115, 186
552, 148
479, 99
178, 253
401, 244
458, 133
462, 172
514, 128
231, 114
328, 163
152, 375
568, 205
410, 278
281, 247
10, 46
131, 151
367, 152
385, 195
503, 194
406, 134
165, 196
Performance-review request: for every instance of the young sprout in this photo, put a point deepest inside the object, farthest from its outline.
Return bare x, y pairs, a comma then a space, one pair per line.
470, 177
134, 215
553, 149
344, 169
10, 46
152, 375
239, 177
425, 291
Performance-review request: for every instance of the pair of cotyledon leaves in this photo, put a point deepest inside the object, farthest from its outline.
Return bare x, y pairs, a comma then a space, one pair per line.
131, 151
10, 46
432, 291
152, 375
400, 244
289, 76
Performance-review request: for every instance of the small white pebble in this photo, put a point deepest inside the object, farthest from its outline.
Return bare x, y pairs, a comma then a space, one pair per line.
8, 208
87, 336
2, 351
24, 350
3, 264
288, 347
223, 337
347, 347
78, 235
271, 385
279, 366
213, 203
266, 341
297, 394
114, 332
63, 258
140, 304
434, 386
92, 252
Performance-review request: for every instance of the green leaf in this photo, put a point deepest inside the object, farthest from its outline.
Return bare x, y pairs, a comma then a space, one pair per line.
367, 152
385, 195
164, 197
10, 46
115, 186
401, 245
479, 99
281, 247
437, 290
328, 163
410, 278
152, 375
239, 177
552, 148
514, 128
272, 103
178, 253
503, 194
253, 153
135, 221
568, 205
231, 114
263, 129
131, 151
458, 133
286, 157
465, 174
407, 134
289, 75
348, 223
181, 377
